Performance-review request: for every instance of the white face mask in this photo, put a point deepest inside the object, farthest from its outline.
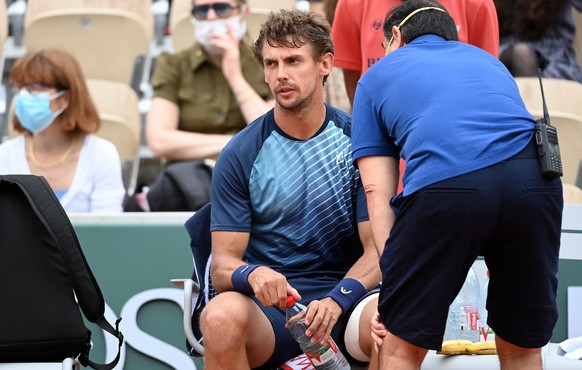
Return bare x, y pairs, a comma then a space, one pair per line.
204, 29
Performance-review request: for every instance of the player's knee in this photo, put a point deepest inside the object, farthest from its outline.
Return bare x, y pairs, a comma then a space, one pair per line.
223, 323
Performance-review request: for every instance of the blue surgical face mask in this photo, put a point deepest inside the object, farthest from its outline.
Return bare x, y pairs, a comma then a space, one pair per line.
34, 111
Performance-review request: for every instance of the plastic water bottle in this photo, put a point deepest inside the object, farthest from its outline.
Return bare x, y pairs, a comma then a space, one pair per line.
486, 334
323, 357
463, 319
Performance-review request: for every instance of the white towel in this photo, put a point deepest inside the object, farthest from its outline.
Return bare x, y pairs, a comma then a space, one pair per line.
571, 348
576, 355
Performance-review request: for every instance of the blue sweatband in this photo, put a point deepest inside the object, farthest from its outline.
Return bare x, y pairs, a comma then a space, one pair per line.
240, 279
346, 293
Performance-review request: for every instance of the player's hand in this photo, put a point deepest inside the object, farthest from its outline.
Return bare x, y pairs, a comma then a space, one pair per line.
271, 288
321, 317
379, 331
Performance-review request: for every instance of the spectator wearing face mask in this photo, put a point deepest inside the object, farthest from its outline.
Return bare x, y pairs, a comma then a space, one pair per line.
206, 94
56, 116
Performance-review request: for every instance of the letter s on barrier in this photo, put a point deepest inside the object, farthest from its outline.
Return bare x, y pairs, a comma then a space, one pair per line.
146, 343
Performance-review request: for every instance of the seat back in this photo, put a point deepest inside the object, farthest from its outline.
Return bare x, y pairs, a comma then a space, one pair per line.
563, 99
562, 96
104, 36
3, 23
273, 5
570, 139
198, 228
3, 96
256, 18
117, 105
572, 194
180, 24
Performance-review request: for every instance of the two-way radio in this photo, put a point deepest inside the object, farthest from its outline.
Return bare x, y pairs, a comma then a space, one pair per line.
546, 137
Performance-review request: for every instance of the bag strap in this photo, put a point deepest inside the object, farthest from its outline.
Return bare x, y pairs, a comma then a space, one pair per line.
85, 286
105, 325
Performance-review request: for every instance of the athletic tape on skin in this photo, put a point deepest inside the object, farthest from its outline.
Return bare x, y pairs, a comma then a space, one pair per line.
347, 292
240, 279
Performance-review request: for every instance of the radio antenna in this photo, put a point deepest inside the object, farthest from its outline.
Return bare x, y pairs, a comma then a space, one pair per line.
544, 106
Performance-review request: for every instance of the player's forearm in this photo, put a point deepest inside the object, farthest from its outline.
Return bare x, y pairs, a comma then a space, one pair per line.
366, 270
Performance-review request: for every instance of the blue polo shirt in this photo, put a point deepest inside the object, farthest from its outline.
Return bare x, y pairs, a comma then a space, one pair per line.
446, 107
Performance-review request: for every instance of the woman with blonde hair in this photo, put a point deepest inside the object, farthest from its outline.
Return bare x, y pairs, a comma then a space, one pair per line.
57, 119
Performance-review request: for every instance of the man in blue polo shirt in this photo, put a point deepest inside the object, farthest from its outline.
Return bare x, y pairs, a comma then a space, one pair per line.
472, 186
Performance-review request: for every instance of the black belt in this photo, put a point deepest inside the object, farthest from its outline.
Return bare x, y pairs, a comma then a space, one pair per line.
529, 152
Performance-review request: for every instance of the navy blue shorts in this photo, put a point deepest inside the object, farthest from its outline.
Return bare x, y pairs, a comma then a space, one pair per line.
285, 346
506, 213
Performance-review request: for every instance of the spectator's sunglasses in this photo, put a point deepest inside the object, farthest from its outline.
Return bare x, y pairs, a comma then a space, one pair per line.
222, 10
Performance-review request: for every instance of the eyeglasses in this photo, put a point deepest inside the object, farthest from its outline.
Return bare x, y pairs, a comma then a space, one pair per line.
222, 10
34, 88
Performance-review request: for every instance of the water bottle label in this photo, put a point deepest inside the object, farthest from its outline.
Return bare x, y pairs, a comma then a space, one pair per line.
473, 318
486, 334
324, 354
469, 316
301, 362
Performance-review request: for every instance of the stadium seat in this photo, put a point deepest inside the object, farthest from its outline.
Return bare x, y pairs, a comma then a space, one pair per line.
563, 99
180, 24
3, 30
120, 121
117, 105
256, 18
273, 5
572, 194
106, 36
3, 96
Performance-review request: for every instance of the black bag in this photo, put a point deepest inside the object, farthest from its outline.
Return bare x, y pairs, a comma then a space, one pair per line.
180, 187
42, 269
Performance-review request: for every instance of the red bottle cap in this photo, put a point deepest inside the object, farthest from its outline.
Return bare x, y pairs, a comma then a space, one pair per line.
290, 301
